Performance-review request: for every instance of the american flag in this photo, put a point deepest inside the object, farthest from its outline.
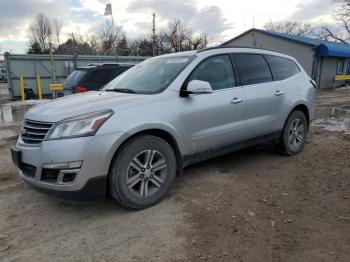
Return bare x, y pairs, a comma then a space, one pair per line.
108, 9
174, 35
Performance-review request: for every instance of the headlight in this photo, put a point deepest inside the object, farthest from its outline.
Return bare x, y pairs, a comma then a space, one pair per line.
84, 125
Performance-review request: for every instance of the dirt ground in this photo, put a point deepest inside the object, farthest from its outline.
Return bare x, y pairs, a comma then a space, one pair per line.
251, 205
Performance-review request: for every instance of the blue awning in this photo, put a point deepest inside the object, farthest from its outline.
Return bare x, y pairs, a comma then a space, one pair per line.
337, 50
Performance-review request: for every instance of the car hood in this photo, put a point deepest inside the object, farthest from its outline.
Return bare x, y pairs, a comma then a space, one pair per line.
75, 105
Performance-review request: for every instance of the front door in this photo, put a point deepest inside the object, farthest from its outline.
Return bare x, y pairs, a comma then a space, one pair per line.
212, 121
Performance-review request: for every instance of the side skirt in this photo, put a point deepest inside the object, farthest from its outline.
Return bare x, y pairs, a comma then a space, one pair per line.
215, 152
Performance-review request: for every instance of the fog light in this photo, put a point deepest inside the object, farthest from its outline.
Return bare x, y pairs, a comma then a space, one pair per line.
65, 165
68, 177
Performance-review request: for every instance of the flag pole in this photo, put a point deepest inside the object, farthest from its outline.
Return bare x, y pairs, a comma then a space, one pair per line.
179, 43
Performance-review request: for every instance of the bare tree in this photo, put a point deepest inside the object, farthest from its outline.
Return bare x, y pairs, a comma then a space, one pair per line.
292, 28
110, 36
340, 32
198, 42
78, 44
185, 38
93, 42
57, 25
141, 47
183, 33
41, 32
134, 47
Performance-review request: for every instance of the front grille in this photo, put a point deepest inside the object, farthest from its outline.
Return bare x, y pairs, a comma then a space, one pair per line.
28, 170
34, 132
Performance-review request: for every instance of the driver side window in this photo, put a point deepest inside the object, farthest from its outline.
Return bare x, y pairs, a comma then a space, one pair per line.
217, 71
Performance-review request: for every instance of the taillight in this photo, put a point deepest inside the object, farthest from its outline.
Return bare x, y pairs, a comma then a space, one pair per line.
80, 89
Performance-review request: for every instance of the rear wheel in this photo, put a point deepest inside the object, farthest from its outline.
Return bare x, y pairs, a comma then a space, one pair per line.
142, 172
294, 133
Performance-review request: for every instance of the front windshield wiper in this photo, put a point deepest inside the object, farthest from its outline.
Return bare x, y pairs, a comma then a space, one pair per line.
122, 90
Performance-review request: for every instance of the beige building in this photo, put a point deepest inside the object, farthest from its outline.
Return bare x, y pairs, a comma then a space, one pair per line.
322, 60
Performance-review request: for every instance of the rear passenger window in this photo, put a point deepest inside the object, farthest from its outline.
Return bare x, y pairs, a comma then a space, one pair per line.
99, 76
253, 69
282, 68
117, 71
217, 71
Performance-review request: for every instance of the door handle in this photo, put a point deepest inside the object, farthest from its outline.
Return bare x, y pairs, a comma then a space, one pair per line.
236, 100
279, 93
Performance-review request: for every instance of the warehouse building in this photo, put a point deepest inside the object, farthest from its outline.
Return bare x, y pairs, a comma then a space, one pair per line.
322, 60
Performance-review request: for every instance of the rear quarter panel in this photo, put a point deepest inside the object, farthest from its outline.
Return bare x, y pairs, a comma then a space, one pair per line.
298, 91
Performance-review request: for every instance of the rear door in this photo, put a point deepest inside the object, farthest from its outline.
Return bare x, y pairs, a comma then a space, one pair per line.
264, 97
289, 81
212, 121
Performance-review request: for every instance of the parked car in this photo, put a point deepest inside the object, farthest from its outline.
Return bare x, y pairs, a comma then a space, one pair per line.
3, 75
93, 77
131, 138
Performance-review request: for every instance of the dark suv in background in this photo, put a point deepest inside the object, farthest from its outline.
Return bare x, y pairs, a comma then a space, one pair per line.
93, 77
3, 75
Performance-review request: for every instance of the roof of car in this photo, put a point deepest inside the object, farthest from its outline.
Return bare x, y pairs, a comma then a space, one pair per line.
84, 67
95, 65
111, 64
225, 48
184, 53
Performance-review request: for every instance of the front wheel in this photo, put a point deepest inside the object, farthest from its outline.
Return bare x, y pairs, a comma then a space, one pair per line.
294, 133
142, 172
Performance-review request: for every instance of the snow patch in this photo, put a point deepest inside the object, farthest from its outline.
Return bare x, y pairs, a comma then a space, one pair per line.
335, 124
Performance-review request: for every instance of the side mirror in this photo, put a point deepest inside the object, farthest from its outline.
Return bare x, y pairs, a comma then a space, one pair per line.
199, 87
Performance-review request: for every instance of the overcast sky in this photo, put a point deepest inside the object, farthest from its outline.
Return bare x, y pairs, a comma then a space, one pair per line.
220, 20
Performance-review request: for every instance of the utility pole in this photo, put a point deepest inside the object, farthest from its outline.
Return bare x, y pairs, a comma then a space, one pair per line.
154, 34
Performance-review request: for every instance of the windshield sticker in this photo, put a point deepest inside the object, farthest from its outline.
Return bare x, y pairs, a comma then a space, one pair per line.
176, 60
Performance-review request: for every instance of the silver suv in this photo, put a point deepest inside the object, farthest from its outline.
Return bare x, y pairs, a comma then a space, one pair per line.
131, 138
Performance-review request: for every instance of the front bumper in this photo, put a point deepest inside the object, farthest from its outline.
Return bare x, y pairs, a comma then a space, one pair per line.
94, 189
95, 152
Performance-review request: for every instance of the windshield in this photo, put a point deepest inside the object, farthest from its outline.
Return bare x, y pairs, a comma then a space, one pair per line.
151, 76
75, 77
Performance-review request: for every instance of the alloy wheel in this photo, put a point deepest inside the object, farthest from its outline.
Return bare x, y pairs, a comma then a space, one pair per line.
146, 173
296, 134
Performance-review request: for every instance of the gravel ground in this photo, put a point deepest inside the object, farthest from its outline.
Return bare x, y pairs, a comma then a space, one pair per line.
251, 205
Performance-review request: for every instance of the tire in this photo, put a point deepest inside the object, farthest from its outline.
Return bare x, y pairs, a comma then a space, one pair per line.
294, 133
142, 172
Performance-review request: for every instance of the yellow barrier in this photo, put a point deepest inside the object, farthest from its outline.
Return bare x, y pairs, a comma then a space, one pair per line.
56, 87
38, 82
22, 88
341, 77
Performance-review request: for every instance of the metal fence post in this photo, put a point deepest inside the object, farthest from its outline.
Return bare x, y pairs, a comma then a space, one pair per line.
22, 88
38, 81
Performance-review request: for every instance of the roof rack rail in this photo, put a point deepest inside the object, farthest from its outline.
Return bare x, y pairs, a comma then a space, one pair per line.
249, 47
117, 64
